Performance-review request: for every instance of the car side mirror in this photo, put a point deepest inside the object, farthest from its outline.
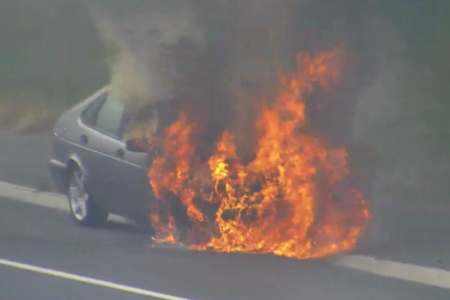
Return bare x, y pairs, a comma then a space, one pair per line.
136, 145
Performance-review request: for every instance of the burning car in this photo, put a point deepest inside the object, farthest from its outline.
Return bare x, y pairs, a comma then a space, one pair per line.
292, 196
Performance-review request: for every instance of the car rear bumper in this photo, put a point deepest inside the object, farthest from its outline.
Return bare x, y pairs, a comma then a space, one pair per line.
59, 175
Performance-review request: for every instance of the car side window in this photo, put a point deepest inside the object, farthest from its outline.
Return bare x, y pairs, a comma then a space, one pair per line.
109, 117
89, 116
143, 124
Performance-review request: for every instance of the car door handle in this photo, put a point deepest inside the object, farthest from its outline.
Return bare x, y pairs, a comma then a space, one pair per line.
84, 139
120, 153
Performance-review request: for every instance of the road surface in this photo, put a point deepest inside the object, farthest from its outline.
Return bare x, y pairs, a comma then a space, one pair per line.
44, 256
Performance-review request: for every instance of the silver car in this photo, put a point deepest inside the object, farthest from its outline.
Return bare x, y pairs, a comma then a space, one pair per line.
100, 171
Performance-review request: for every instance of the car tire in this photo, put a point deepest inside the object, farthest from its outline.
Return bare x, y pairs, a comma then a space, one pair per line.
83, 209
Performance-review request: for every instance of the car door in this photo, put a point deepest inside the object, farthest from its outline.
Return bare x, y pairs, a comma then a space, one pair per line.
136, 195
101, 135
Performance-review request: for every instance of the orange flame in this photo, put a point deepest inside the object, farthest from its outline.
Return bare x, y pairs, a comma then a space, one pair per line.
291, 200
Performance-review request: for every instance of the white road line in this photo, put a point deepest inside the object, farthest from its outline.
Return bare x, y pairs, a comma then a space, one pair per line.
32, 196
44, 199
408, 272
419, 274
92, 281
59, 202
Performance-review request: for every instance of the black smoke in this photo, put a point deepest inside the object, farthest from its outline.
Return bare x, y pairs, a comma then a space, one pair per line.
218, 61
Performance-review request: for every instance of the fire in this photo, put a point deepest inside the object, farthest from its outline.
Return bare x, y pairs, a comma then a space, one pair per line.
291, 200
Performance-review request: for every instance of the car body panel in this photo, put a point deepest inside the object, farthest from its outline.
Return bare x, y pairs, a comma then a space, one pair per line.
67, 132
118, 183
58, 173
134, 189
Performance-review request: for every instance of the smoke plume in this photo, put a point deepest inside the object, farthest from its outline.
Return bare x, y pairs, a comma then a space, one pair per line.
137, 35
219, 62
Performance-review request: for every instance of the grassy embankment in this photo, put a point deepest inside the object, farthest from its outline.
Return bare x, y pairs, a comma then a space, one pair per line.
50, 58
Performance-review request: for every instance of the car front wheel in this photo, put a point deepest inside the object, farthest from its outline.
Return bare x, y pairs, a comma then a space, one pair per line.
83, 209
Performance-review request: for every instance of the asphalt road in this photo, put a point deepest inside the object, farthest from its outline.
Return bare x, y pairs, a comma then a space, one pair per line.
23, 159
38, 241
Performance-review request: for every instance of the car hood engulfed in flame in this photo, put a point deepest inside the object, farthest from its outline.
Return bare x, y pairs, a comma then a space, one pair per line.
293, 199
